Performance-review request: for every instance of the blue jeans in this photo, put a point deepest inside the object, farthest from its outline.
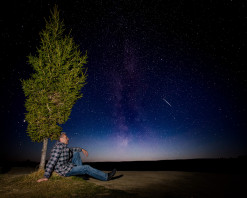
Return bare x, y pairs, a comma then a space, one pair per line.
81, 169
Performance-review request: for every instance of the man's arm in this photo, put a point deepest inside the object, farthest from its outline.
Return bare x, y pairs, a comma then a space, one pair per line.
51, 163
76, 149
85, 152
42, 179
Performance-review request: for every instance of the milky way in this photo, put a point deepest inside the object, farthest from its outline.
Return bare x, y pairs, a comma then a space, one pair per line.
127, 95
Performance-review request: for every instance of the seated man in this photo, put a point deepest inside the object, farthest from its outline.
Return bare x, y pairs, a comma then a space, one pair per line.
67, 162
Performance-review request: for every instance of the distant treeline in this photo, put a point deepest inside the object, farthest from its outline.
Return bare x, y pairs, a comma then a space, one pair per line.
193, 165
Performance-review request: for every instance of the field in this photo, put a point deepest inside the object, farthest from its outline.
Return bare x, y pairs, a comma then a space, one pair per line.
172, 179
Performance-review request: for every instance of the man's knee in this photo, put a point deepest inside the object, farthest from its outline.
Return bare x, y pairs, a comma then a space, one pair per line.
76, 153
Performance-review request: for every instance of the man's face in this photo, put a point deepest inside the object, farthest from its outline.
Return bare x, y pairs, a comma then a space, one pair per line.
64, 139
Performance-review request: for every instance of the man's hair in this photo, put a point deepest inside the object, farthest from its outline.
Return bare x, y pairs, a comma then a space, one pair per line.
62, 134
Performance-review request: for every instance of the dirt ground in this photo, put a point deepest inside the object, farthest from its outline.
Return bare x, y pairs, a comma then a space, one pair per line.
171, 184
178, 184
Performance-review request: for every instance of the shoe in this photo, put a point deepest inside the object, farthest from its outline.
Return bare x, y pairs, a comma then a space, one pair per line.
111, 174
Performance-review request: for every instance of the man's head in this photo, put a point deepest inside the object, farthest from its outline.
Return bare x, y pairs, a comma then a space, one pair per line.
63, 138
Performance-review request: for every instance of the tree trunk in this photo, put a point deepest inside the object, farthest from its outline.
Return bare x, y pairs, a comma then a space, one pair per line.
43, 154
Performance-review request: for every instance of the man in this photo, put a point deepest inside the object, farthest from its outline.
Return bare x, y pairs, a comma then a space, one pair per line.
67, 162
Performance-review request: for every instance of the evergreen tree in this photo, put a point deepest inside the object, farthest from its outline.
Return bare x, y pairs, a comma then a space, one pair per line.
55, 85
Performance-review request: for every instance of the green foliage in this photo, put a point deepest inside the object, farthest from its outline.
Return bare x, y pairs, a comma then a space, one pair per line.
56, 83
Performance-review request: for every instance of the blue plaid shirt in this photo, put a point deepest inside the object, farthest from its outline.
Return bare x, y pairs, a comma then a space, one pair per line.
60, 159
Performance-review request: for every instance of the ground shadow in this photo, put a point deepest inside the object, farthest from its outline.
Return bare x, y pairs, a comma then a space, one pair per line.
117, 177
87, 177
84, 177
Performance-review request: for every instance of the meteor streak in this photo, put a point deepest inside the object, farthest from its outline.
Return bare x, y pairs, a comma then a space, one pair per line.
167, 102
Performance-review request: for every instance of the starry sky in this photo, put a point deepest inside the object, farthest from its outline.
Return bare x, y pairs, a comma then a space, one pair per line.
166, 79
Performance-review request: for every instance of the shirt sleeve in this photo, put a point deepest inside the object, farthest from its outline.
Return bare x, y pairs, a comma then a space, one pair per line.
52, 161
76, 149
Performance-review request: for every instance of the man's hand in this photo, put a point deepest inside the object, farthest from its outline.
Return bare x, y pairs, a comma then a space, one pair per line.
85, 152
42, 179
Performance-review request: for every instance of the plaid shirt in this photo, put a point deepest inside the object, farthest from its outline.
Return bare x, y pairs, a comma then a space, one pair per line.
61, 159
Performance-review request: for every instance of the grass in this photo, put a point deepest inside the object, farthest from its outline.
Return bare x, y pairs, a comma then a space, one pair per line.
57, 186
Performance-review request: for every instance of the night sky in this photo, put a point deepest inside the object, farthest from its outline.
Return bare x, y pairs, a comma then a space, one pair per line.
166, 79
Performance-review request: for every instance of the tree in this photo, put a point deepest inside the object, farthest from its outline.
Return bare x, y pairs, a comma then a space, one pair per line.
55, 86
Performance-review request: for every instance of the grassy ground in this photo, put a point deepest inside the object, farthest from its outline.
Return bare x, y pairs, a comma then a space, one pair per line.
57, 186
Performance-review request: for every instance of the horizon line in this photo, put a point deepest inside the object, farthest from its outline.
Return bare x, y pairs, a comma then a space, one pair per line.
176, 159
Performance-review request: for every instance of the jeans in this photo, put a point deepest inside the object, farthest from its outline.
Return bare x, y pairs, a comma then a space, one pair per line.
81, 169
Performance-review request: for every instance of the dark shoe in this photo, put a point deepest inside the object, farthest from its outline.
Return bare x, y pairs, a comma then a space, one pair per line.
111, 174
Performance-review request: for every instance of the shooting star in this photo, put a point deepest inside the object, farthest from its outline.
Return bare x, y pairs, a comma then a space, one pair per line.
167, 102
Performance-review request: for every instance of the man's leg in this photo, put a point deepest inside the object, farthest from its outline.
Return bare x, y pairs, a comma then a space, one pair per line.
76, 159
86, 169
